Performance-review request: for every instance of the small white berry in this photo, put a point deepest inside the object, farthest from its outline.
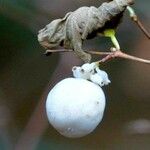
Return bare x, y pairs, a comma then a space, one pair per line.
89, 67
97, 79
75, 107
84, 71
91, 72
78, 72
103, 75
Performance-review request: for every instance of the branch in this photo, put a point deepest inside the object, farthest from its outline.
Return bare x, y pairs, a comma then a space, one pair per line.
109, 55
141, 26
120, 54
47, 52
135, 18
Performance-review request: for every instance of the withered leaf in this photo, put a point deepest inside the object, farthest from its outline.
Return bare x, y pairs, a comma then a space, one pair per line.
84, 23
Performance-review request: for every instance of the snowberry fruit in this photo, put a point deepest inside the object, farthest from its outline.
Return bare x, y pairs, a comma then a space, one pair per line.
75, 107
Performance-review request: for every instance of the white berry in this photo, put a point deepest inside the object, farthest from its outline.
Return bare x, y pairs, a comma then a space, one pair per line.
97, 79
103, 75
75, 107
84, 71
91, 72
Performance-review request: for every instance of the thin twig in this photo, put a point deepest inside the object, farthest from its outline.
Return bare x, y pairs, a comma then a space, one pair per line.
57, 51
109, 55
141, 26
98, 53
69, 50
135, 18
120, 54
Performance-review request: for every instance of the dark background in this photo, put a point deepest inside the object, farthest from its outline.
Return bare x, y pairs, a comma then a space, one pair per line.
26, 76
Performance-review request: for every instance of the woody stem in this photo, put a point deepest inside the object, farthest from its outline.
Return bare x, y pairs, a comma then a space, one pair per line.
109, 55
135, 18
120, 54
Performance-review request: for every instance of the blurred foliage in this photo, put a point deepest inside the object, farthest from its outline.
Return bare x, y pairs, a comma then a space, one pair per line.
25, 73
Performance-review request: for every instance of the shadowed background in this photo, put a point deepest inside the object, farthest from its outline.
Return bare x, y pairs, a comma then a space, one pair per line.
26, 76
